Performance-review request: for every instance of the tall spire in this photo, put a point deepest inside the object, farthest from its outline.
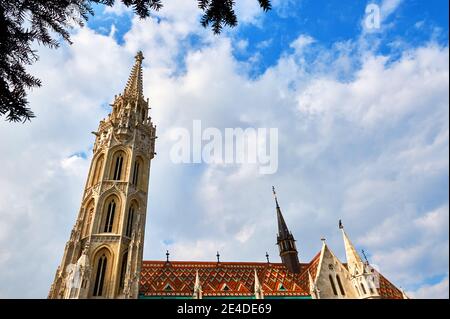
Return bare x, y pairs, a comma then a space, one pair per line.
286, 242
283, 230
134, 83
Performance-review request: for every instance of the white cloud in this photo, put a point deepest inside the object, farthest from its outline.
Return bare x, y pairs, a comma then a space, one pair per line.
436, 291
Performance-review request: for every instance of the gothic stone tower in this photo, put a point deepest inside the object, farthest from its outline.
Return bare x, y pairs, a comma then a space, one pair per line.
103, 256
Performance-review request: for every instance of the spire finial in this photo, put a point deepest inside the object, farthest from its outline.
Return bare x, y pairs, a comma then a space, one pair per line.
365, 257
341, 226
167, 256
267, 257
139, 56
218, 257
275, 196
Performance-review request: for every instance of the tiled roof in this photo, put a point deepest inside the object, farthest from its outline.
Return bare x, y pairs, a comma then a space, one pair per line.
177, 278
237, 279
387, 290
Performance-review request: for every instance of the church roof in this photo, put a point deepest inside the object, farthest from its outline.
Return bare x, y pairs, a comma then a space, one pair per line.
177, 278
235, 279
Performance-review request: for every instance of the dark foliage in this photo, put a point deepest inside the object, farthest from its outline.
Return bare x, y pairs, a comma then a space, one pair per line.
23, 22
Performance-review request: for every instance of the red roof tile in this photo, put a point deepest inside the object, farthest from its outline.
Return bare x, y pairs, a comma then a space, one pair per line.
177, 278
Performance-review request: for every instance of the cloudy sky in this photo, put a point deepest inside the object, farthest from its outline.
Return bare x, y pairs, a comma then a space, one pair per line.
362, 116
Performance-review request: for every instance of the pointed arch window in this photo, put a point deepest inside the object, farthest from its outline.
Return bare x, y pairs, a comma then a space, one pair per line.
341, 288
100, 276
109, 221
333, 286
363, 289
130, 220
118, 167
136, 173
123, 270
97, 170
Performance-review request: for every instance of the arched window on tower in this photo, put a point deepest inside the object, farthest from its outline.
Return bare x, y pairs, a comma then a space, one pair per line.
97, 170
100, 276
136, 167
341, 288
123, 271
333, 286
109, 220
118, 160
130, 220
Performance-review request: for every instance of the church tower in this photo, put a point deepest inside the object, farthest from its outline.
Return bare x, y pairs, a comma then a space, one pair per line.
286, 241
103, 256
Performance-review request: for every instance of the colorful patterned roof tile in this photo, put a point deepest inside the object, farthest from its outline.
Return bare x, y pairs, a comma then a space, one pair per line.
234, 279
177, 278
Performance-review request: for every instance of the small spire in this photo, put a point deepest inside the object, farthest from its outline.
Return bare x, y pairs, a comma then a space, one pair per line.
197, 287
134, 83
267, 257
258, 288
218, 257
167, 256
314, 291
341, 226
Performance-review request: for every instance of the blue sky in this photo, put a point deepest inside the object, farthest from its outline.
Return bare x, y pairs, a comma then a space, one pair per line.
363, 136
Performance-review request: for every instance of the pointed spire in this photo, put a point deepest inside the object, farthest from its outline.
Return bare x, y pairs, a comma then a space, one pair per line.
198, 293
134, 84
259, 294
314, 291
354, 261
283, 230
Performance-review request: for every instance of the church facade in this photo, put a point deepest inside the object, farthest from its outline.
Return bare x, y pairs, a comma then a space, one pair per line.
103, 257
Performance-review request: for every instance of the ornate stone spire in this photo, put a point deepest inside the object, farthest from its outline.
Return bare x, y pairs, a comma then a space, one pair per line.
134, 84
285, 241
